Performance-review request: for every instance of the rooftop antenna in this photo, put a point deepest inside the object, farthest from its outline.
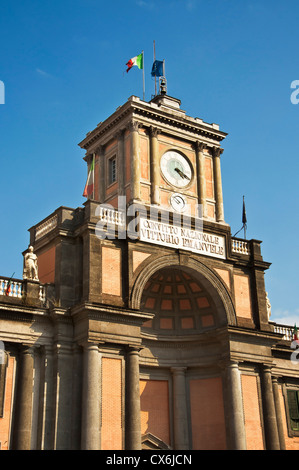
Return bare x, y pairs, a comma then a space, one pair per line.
158, 70
163, 82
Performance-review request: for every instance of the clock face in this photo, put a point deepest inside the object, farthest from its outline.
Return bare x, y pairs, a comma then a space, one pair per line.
176, 169
178, 202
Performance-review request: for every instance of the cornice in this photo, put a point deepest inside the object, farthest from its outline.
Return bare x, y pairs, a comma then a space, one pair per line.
108, 312
150, 114
14, 312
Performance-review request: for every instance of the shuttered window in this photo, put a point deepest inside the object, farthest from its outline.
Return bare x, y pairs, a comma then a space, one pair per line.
112, 170
293, 404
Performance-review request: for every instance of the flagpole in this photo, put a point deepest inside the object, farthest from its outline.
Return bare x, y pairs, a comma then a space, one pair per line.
154, 62
143, 80
93, 157
244, 219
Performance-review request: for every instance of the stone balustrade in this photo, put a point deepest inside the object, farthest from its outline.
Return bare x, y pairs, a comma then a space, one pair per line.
46, 227
17, 289
285, 330
240, 246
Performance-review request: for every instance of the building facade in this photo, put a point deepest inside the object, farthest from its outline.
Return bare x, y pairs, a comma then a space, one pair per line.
147, 325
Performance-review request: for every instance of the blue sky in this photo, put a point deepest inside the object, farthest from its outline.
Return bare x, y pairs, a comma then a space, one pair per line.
230, 62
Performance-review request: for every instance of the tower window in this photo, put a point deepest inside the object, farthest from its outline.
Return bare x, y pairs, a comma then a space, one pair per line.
112, 170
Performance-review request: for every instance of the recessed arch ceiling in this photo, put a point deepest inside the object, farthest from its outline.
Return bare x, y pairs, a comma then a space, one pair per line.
180, 303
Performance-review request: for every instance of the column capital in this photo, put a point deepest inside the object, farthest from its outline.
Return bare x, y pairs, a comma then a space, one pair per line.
154, 131
267, 368
27, 349
178, 370
100, 149
134, 126
119, 133
276, 378
88, 157
230, 363
131, 348
217, 151
199, 146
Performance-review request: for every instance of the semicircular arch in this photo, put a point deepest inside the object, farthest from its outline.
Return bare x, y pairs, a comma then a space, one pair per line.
204, 274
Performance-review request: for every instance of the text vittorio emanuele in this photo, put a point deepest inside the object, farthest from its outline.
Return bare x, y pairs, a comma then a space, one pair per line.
180, 237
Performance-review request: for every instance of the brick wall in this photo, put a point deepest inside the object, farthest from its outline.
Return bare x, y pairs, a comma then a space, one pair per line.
207, 414
154, 403
46, 265
6, 420
243, 296
253, 426
111, 429
111, 271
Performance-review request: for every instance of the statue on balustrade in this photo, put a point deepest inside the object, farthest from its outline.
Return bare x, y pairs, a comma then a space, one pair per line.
268, 306
30, 270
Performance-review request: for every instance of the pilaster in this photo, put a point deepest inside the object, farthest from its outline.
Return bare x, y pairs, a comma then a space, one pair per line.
24, 403
218, 184
133, 424
200, 175
135, 161
90, 431
269, 412
234, 407
154, 165
180, 417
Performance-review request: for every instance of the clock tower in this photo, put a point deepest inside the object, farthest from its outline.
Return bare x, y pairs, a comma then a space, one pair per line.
143, 329
189, 287
154, 154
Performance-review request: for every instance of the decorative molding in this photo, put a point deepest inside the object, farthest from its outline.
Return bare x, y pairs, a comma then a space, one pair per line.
154, 131
217, 151
199, 146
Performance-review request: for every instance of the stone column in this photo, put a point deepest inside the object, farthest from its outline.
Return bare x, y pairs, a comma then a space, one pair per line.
101, 173
180, 417
63, 389
48, 408
77, 397
278, 413
218, 184
133, 421
90, 430
24, 400
135, 161
200, 174
269, 412
154, 165
234, 407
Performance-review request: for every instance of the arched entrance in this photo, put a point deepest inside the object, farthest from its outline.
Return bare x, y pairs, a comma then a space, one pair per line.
181, 381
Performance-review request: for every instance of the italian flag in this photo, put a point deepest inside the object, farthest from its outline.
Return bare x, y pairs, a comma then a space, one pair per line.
8, 287
138, 60
88, 190
295, 333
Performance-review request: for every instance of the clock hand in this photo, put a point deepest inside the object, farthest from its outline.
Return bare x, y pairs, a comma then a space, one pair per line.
182, 175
